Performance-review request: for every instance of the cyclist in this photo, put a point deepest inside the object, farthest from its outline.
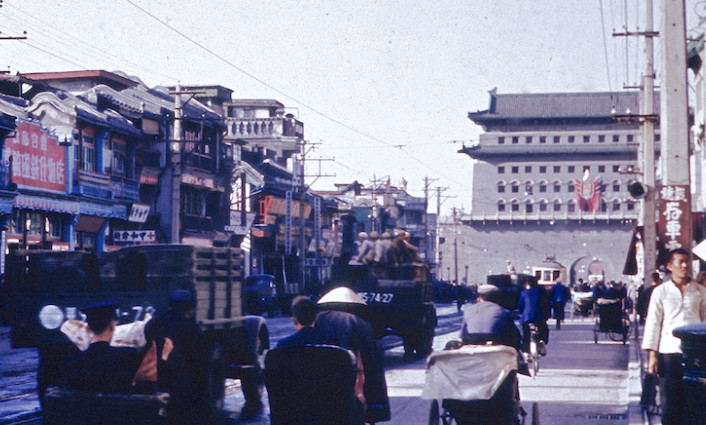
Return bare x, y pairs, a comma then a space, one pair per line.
533, 305
486, 321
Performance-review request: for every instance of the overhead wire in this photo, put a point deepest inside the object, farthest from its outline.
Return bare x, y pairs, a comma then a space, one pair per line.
286, 95
68, 40
605, 47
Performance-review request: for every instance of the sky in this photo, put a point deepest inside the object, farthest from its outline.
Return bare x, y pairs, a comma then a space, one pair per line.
383, 87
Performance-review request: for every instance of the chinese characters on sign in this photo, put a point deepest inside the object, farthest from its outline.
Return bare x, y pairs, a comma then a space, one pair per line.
38, 160
134, 236
674, 217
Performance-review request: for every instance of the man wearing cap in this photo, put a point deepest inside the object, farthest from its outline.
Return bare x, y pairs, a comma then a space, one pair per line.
486, 321
102, 368
342, 319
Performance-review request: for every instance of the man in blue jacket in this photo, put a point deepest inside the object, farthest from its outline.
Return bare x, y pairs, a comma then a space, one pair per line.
560, 293
486, 321
534, 307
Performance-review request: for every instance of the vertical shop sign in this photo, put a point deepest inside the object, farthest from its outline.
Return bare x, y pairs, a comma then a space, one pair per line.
674, 217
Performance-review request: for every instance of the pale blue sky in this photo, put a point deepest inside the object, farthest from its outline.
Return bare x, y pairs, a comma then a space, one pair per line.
363, 75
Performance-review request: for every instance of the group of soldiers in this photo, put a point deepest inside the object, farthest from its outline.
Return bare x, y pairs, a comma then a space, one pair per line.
382, 250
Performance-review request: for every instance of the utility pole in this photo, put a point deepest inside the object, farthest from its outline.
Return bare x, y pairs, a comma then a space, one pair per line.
675, 192
648, 152
302, 222
427, 240
175, 147
459, 300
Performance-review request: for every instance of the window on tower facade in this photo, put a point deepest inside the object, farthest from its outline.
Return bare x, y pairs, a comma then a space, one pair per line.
528, 139
630, 138
586, 139
601, 168
501, 187
570, 187
542, 169
616, 187
515, 206
501, 140
571, 207
501, 170
515, 140
571, 169
557, 139
571, 139
557, 206
616, 138
528, 168
586, 168
601, 138
528, 207
501, 207
542, 139
616, 168
557, 188
557, 169
515, 188
515, 170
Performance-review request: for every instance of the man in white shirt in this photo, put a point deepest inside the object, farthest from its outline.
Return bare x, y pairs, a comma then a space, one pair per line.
675, 303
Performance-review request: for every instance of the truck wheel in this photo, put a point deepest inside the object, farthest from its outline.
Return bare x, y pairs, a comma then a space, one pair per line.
216, 378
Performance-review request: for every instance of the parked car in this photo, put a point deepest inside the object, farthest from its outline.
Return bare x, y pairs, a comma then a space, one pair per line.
261, 295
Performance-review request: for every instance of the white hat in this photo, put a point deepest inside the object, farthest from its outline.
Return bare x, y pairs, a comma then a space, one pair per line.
487, 289
363, 235
341, 294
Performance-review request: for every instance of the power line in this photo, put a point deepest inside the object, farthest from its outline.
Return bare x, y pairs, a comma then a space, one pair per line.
280, 92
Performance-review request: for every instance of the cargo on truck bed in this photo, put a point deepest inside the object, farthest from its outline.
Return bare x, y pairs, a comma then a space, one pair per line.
46, 288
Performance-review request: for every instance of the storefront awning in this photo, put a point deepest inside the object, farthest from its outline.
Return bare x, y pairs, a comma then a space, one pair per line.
89, 223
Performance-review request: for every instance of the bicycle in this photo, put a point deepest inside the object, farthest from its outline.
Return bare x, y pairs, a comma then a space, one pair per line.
536, 348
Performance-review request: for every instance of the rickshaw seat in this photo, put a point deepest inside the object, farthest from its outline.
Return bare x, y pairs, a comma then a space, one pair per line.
63, 406
610, 315
312, 385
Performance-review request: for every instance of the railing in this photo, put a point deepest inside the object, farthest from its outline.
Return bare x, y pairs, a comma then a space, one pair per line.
91, 184
550, 215
124, 188
251, 128
196, 223
199, 161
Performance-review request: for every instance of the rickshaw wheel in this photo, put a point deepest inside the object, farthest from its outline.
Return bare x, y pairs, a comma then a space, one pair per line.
535, 413
595, 334
434, 413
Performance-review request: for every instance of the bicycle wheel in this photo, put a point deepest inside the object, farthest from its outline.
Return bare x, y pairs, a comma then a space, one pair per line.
535, 363
434, 413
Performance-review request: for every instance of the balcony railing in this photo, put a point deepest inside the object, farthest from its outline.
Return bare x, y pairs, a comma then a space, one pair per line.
90, 183
196, 223
552, 215
199, 161
124, 189
253, 128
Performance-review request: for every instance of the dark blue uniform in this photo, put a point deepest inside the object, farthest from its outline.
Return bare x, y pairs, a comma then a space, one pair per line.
307, 336
102, 369
487, 321
357, 335
534, 307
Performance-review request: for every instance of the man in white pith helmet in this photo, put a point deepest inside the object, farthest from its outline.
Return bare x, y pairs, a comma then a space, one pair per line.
342, 317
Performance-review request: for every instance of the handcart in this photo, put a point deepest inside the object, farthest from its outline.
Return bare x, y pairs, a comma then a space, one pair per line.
313, 385
583, 302
474, 385
611, 320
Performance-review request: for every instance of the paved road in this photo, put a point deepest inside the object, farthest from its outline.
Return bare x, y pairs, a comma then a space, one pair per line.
579, 382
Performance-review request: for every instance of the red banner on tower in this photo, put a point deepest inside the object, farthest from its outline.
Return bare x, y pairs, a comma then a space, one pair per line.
588, 195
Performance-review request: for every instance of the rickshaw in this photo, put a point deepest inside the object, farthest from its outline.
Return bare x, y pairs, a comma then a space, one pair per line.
474, 385
312, 385
611, 320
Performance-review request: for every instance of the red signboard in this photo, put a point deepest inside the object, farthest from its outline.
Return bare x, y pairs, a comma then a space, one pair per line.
674, 217
37, 159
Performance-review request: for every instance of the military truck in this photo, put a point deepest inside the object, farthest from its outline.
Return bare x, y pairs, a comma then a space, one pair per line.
510, 287
400, 302
45, 289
